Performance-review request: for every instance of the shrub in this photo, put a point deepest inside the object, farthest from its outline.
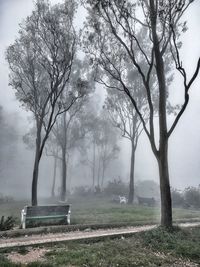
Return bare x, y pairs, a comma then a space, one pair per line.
116, 187
192, 197
7, 224
177, 198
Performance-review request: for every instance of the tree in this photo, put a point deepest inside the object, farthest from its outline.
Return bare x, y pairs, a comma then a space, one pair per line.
8, 140
123, 116
68, 130
113, 37
99, 147
40, 64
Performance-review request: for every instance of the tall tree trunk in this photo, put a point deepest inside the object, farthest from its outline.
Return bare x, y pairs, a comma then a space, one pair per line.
54, 177
64, 176
162, 157
103, 173
93, 166
98, 173
34, 199
165, 193
132, 167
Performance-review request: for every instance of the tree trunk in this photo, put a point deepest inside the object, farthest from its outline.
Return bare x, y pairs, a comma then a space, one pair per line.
132, 167
98, 173
34, 199
103, 173
93, 166
54, 177
35, 181
162, 157
64, 175
165, 193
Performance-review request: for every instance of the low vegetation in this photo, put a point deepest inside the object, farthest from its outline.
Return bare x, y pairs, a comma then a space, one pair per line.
7, 223
98, 210
153, 248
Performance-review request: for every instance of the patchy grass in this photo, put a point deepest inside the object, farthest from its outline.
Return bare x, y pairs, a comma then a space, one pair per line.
184, 243
149, 249
96, 210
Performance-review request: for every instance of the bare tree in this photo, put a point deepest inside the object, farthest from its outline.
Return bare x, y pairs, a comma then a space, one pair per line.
113, 37
40, 64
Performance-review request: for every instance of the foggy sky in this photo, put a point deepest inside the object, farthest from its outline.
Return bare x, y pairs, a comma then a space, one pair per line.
184, 144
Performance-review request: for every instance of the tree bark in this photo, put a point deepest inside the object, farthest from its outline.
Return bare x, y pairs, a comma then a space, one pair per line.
34, 199
165, 192
54, 177
93, 165
132, 167
64, 176
162, 157
103, 173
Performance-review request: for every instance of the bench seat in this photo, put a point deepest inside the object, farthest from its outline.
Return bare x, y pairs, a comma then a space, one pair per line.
45, 215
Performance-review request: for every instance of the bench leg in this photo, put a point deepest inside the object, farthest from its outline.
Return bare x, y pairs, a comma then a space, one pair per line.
68, 218
23, 219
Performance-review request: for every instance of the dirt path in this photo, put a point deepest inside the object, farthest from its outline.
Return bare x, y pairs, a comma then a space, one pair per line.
77, 235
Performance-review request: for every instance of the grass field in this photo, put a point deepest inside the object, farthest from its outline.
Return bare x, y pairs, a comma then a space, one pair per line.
100, 210
149, 249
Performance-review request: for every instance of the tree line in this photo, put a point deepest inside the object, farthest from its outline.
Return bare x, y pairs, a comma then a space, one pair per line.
132, 49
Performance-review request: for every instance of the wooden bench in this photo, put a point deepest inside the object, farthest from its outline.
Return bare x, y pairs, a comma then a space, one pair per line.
32, 216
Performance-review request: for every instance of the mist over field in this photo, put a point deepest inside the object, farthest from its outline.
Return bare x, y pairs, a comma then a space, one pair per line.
17, 160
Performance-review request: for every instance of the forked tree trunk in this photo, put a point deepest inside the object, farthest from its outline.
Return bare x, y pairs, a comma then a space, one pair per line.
131, 182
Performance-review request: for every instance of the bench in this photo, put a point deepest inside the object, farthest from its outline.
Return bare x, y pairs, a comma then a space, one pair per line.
32, 216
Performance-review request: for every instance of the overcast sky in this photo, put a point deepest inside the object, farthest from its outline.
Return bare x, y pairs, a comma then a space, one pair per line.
184, 146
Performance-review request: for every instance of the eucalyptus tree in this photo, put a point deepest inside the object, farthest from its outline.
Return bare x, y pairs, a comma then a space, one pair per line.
67, 130
124, 117
113, 37
40, 62
99, 147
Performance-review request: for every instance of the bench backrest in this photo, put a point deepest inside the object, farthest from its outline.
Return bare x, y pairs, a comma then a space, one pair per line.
47, 210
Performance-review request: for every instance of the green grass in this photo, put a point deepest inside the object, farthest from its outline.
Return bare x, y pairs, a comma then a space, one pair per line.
149, 249
98, 210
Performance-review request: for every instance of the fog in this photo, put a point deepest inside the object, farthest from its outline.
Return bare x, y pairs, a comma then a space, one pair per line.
184, 145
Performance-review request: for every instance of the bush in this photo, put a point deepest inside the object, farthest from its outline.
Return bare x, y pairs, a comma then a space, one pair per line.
192, 197
116, 187
82, 191
7, 224
177, 198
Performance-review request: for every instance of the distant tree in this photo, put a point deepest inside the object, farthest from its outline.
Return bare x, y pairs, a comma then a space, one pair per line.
113, 37
177, 198
116, 187
8, 140
68, 128
99, 147
40, 64
125, 118
147, 188
107, 145
192, 197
